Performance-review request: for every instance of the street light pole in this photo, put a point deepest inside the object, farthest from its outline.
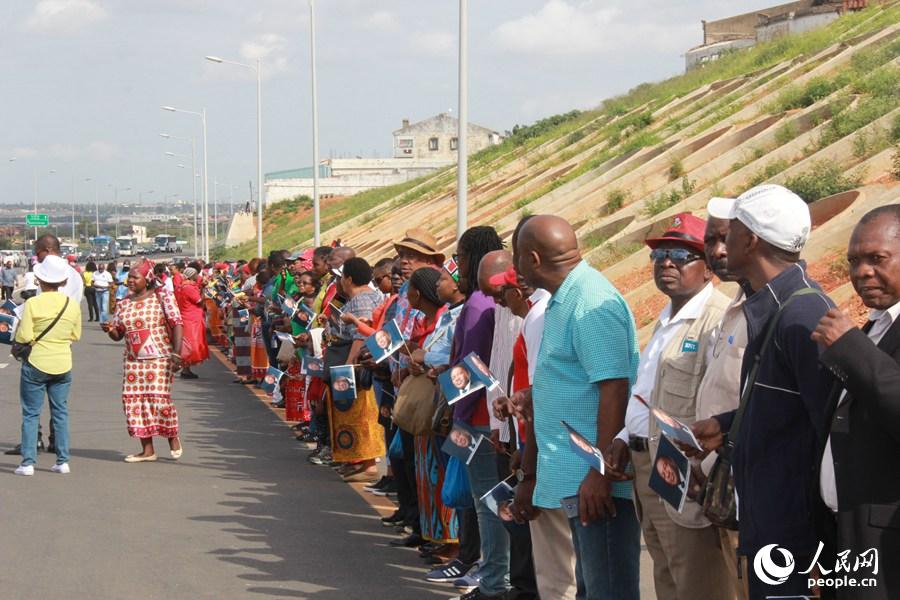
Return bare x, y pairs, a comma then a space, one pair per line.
193, 142
259, 172
202, 115
205, 193
74, 239
317, 234
462, 174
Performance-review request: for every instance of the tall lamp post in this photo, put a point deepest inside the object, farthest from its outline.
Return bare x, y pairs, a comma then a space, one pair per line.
202, 115
193, 182
193, 191
259, 173
462, 174
96, 201
51, 171
317, 220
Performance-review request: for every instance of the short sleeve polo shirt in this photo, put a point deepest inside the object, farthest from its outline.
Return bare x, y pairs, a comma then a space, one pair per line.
589, 337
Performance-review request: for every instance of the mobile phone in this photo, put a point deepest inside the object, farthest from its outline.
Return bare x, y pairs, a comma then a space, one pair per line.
570, 506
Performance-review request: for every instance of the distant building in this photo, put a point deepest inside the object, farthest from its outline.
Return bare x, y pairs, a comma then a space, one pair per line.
419, 149
748, 29
436, 138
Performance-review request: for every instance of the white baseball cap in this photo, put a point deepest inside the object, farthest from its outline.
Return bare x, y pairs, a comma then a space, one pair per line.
772, 212
52, 269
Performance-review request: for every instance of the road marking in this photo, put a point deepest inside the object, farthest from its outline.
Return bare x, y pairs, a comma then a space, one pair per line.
3, 365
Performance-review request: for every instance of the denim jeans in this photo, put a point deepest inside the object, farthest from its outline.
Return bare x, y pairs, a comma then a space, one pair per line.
33, 384
103, 301
482, 471
608, 555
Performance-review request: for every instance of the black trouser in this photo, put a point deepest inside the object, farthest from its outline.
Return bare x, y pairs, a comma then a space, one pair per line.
521, 562
7, 292
405, 480
469, 539
90, 294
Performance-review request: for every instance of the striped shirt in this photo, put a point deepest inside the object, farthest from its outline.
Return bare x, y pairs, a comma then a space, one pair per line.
589, 337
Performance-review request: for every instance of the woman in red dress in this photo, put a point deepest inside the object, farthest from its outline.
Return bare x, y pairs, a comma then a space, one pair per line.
194, 348
150, 323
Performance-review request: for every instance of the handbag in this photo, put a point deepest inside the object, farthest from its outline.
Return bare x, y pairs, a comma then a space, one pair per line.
21, 351
718, 501
414, 408
456, 492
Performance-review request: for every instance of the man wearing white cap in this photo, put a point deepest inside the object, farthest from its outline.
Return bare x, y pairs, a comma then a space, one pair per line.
781, 417
50, 323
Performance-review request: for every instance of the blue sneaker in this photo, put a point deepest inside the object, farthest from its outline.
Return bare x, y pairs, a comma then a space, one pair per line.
453, 571
468, 582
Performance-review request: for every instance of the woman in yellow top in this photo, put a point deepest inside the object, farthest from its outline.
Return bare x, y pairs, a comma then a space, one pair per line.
90, 294
48, 369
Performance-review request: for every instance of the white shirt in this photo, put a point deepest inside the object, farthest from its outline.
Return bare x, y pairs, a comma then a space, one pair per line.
883, 320
637, 416
74, 287
506, 329
101, 279
533, 328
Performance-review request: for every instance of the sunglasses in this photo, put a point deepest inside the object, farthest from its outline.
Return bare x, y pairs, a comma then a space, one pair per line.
678, 256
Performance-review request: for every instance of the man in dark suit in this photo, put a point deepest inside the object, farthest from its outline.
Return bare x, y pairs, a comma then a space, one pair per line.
860, 473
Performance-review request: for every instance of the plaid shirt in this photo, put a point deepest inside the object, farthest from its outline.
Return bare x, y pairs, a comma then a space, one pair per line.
362, 305
589, 337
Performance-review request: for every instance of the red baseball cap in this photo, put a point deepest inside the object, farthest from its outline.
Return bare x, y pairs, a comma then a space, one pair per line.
686, 229
507, 278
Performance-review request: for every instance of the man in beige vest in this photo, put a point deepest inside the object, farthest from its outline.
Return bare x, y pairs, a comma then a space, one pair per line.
720, 389
687, 558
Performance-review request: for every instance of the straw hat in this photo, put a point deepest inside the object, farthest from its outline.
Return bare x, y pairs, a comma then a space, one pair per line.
420, 241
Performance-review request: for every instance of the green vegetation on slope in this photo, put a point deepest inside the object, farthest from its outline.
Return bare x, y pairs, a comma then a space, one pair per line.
629, 123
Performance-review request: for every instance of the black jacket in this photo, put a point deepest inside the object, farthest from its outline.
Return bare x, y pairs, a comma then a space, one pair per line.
865, 445
775, 449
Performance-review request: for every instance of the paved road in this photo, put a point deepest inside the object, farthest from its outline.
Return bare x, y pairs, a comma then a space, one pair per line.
241, 515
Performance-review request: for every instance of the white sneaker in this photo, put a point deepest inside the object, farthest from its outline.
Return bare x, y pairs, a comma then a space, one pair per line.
63, 468
24, 470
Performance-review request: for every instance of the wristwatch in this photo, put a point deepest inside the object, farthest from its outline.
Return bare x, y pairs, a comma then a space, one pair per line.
522, 476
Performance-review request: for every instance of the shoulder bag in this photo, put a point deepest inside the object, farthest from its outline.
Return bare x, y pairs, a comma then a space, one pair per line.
21, 351
719, 505
414, 407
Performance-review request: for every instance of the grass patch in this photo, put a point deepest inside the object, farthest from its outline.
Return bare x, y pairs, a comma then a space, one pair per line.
616, 199
823, 178
766, 173
610, 254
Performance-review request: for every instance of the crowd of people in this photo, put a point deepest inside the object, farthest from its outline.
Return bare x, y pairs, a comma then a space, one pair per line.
788, 413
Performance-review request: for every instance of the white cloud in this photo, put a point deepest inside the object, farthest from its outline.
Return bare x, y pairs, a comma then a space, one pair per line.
23, 152
559, 28
438, 44
98, 150
64, 16
590, 28
382, 20
270, 48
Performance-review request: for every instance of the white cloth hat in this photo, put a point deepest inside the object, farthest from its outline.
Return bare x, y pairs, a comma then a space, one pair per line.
52, 269
772, 212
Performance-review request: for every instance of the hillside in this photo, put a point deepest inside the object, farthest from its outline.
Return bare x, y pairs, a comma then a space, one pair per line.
817, 112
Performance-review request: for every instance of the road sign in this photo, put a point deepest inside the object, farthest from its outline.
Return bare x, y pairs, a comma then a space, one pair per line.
37, 220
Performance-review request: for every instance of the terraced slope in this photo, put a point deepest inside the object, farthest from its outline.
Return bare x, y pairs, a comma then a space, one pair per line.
817, 112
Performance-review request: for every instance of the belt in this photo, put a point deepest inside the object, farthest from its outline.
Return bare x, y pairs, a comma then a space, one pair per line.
638, 444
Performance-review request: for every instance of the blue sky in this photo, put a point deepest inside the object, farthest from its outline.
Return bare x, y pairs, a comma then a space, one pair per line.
84, 79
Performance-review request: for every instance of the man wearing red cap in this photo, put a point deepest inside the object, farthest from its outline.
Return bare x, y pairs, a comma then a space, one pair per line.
687, 561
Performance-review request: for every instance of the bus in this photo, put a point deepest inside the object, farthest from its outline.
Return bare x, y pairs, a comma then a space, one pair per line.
126, 245
104, 247
166, 243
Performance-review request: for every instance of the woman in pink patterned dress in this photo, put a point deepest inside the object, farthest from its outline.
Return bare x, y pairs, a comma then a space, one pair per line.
143, 320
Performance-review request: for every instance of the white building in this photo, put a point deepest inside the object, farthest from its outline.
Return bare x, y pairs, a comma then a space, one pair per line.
419, 149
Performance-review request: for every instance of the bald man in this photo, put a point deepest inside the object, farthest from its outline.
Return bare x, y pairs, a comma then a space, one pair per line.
507, 327
586, 365
339, 256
